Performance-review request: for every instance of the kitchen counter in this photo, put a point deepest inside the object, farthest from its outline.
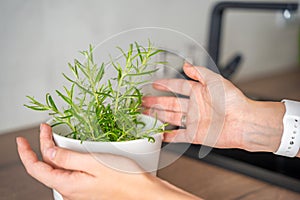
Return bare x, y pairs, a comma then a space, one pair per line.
202, 179
277, 86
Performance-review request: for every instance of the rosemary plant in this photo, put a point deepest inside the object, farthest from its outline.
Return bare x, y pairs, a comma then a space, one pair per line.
104, 111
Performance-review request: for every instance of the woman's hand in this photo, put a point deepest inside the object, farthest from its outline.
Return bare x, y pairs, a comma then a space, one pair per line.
217, 113
82, 176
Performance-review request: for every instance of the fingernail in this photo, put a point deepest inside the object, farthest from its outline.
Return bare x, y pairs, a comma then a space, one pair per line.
187, 63
51, 153
17, 140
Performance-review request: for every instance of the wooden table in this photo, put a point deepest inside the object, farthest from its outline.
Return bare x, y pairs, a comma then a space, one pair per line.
202, 179
275, 87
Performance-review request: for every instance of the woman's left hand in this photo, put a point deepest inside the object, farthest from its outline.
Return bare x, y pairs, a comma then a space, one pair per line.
81, 176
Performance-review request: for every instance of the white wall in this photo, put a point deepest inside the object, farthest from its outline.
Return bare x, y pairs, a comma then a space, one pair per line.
39, 37
268, 44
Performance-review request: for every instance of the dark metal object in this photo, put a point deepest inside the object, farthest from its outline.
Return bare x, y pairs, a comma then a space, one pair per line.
216, 24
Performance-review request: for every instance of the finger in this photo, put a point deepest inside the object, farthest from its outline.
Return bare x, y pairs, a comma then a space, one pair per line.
46, 140
72, 160
117, 163
174, 104
179, 135
170, 117
201, 74
37, 169
178, 86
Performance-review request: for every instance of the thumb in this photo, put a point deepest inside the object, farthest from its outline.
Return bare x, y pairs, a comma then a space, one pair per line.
198, 73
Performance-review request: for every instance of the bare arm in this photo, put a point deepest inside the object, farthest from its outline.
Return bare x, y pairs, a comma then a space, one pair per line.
218, 114
264, 128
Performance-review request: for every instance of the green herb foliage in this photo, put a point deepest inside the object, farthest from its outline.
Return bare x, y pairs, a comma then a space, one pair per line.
109, 111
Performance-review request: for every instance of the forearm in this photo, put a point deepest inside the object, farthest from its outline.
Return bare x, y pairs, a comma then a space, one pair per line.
262, 125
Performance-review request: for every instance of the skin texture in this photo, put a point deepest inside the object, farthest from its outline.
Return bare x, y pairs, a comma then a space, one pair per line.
205, 109
81, 176
217, 114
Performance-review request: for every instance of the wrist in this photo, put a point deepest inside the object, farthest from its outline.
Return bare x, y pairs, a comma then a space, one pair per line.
262, 126
290, 142
161, 189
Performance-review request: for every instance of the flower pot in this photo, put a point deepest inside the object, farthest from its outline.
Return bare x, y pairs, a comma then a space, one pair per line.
143, 152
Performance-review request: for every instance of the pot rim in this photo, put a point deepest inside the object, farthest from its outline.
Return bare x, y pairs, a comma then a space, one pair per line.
156, 135
94, 142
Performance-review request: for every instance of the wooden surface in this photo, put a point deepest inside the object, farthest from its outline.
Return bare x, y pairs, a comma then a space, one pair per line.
202, 179
276, 87
15, 183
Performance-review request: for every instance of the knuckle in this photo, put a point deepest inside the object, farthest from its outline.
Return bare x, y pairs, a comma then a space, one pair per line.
30, 171
62, 158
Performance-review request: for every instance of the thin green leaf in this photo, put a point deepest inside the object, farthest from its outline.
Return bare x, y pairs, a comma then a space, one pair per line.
50, 102
100, 73
81, 67
156, 52
122, 51
37, 108
139, 51
64, 97
91, 53
69, 79
74, 70
143, 73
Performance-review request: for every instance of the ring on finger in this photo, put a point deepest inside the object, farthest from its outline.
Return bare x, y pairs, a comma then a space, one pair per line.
183, 121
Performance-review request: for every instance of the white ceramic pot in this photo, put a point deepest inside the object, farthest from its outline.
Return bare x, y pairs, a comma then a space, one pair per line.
143, 152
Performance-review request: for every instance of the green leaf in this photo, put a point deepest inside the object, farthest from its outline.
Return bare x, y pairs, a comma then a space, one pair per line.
78, 84
139, 51
57, 123
91, 54
100, 73
143, 73
119, 74
105, 94
70, 92
122, 51
69, 79
156, 52
150, 139
64, 97
128, 59
104, 111
74, 70
37, 108
50, 102
81, 67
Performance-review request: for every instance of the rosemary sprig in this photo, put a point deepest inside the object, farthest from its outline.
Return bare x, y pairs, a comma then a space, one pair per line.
99, 111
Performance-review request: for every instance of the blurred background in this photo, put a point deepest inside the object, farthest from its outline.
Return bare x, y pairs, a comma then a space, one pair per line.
258, 47
39, 37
